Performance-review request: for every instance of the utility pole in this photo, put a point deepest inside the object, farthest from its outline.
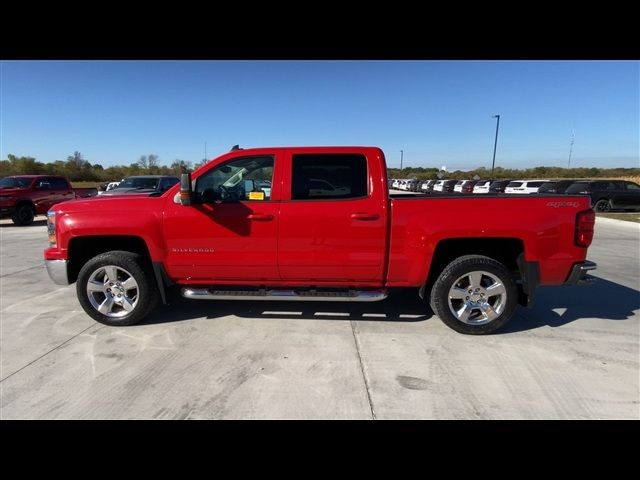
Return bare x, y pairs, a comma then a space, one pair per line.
205, 151
495, 145
401, 154
573, 132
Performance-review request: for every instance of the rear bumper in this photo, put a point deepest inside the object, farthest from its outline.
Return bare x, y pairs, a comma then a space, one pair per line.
57, 270
580, 273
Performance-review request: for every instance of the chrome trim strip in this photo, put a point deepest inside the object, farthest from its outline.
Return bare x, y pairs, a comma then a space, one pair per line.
288, 295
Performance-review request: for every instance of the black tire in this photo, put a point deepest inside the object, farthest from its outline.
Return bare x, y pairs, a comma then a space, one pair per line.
23, 215
456, 273
126, 264
602, 205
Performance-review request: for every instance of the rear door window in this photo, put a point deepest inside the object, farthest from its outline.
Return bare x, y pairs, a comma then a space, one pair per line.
58, 184
328, 176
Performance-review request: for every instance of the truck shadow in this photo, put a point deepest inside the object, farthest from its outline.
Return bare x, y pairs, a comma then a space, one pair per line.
403, 306
558, 306
554, 307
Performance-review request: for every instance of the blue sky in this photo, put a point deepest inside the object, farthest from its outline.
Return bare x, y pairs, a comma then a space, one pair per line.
438, 112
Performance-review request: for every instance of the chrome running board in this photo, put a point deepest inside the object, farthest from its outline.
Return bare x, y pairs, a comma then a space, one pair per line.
307, 295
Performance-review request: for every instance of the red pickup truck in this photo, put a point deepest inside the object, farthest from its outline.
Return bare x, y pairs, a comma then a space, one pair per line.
316, 224
24, 196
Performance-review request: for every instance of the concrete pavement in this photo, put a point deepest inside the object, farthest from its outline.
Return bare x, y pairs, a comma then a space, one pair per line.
574, 355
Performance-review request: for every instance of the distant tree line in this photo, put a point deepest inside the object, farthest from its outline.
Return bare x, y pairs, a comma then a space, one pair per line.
421, 173
77, 169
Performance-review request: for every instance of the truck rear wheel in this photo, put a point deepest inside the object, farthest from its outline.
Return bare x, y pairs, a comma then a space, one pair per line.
475, 295
117, 288
23, 215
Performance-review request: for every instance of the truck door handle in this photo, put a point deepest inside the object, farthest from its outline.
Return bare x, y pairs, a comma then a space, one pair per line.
365, 216
260, 217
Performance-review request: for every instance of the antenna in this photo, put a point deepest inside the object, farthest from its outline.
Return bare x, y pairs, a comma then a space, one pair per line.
573, 134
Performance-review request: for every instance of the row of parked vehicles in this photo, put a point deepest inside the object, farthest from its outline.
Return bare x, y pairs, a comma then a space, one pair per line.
605, 195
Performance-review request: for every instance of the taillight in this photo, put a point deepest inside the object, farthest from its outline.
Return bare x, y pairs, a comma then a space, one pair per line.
585, 222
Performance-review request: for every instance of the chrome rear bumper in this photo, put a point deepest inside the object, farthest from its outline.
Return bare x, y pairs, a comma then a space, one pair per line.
579, 273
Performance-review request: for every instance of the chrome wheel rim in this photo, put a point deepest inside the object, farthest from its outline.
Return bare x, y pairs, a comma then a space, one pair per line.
477, 298
603, 206
113, 291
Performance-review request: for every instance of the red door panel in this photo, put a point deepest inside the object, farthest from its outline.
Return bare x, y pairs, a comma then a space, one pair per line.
334, 241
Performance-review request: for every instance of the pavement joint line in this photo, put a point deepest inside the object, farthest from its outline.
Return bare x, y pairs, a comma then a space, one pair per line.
52, 350
354, 330
20, 271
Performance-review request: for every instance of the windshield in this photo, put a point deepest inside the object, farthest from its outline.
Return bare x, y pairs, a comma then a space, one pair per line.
138, 183
15, 182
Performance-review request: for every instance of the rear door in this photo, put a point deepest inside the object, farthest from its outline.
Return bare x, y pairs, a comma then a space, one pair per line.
625, 195
333, 218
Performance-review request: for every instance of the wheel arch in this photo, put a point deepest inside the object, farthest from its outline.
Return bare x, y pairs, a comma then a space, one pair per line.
508, 251
82, 249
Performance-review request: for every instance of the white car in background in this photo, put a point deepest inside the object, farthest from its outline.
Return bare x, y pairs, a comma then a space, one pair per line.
460, 185
482, 186
437, 187
110, 186
524, 186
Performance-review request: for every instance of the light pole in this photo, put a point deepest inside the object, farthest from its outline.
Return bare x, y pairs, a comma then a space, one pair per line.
401, 154
495, 145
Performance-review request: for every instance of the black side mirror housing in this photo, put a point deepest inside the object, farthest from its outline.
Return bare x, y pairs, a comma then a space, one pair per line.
185, 189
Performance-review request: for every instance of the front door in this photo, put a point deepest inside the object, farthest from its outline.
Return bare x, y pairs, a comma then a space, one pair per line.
229, 233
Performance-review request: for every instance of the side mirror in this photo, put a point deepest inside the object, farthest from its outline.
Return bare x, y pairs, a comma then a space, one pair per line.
185, 189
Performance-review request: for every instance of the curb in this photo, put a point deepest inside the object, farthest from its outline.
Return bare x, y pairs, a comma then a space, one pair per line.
619, 223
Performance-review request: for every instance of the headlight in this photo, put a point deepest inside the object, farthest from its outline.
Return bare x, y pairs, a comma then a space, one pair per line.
51, 227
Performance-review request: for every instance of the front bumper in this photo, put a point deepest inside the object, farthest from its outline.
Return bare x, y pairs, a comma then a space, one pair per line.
579, 273
7, 211
57, 270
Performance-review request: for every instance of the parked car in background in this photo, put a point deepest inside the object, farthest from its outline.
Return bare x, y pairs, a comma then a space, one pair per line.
437, 186
498, 186
414, 185
143, 185
427, 186
448, 186
524, 186
108, 186
458, 186
556, 186
22, 197
468, 187
482, 186
608, 194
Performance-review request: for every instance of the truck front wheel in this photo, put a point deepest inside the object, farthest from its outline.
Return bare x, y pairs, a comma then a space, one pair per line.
116, 288
475, 295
